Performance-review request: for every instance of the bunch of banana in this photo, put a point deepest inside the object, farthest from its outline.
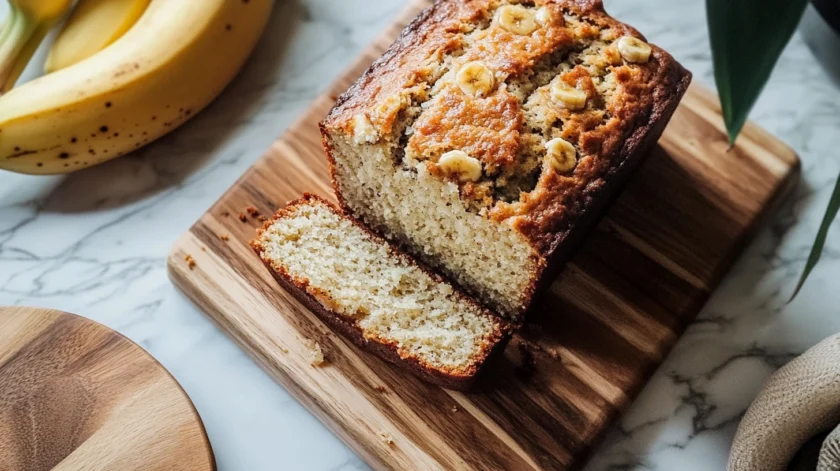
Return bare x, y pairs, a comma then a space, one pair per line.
114, 86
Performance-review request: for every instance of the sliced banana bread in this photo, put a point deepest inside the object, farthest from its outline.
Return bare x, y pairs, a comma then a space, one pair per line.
376, 295
492, 134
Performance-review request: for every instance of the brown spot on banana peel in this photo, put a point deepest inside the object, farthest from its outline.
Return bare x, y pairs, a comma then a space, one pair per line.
22, 153
125, 68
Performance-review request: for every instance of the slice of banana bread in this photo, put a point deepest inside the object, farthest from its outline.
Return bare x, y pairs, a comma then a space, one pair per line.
376, 295
493, 133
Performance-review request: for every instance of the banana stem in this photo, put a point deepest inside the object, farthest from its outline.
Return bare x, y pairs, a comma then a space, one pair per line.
24, 57
12, 44
5, 27
8, 22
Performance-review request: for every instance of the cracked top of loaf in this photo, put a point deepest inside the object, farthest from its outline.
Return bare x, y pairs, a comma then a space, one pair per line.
527, 105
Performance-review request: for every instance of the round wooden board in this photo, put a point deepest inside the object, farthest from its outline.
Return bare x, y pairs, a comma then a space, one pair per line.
76, 395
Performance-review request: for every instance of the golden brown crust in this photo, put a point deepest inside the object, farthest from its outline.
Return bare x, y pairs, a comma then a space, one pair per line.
559, 201
513, 54
485, 128
319, 303
433, 33
438, 31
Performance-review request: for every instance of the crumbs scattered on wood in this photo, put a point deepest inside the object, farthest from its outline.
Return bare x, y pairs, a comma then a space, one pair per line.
243, 217
224, 237
316, 355
380, 389
385, 437
252, 211
204, 249
455, 409
284, 349
190, 261
262, 218
224, 214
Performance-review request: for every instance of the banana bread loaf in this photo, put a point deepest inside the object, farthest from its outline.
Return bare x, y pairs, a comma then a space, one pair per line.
377, 296
492, 134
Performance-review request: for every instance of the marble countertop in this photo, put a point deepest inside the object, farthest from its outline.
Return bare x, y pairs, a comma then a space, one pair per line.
95, 243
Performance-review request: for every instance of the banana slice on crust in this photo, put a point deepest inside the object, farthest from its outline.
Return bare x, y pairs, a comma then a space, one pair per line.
517, 19
474, 78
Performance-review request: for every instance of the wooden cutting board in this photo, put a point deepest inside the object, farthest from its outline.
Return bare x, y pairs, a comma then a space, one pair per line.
75, 395
606, 324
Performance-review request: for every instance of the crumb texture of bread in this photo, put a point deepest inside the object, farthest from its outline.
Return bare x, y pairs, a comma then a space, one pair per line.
553, 99
377, 290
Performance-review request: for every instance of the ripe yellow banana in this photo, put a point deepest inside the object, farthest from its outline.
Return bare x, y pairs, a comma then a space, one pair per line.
171, 64
93, 25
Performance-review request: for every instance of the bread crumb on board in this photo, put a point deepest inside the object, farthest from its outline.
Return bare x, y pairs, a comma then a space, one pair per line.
316, 355
190, 261
243, 217
224, 237
255, 213
455, 409
224, 214
385, 437
380, 389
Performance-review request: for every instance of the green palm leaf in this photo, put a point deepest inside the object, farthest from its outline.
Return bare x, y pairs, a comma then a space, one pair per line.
822, 235
747, 38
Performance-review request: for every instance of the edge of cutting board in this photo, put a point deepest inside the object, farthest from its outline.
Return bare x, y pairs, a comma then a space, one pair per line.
75, 394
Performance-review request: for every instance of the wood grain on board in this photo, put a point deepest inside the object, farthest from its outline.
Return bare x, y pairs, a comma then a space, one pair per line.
75, 395
603, 328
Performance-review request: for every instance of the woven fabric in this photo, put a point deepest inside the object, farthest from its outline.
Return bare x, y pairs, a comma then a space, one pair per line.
830, 452
798, 401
